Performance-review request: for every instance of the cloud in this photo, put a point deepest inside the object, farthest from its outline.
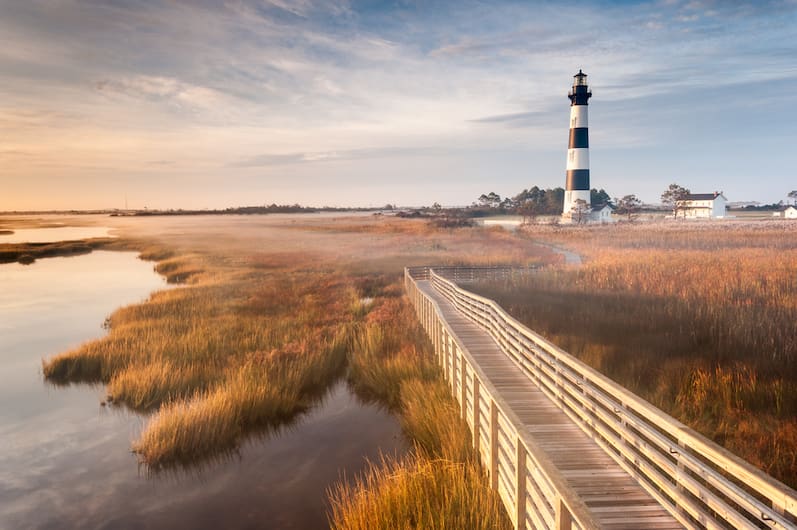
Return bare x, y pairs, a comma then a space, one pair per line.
168, 89
517, 119
266, 160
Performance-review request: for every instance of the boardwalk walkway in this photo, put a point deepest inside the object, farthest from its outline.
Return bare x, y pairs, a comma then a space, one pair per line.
613, 497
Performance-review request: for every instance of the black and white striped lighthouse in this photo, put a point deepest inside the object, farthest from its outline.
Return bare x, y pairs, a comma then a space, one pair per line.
577, 186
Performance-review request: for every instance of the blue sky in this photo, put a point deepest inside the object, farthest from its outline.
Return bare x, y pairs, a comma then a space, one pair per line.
214, 104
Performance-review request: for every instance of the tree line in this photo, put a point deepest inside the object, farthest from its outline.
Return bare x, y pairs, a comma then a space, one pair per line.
538, 201
533, 201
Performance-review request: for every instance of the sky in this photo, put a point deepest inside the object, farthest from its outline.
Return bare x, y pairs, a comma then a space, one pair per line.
213, 104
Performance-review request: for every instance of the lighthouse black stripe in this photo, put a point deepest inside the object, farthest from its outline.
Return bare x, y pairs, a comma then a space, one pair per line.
579, 138
577, 179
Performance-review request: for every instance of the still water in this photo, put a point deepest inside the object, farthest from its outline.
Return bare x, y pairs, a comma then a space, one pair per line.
65, 460
54, 234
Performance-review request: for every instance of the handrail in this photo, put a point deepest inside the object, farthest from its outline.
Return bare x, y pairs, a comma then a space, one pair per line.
465, 274
542, 495
700, 483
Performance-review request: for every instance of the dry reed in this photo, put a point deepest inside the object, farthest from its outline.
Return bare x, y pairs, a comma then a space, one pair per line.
438, 485
696, 318
259, 334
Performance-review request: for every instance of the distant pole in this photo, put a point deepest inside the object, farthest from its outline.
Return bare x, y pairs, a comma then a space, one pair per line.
577, 184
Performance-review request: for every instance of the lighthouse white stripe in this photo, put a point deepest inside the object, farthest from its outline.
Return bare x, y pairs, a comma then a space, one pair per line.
578, 159
578, 116
571, 196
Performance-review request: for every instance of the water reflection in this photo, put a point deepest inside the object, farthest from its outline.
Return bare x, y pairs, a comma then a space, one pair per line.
54, 234
65, 461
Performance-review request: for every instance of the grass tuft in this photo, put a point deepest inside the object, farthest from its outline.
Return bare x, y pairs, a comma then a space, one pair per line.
417, 493
440, 484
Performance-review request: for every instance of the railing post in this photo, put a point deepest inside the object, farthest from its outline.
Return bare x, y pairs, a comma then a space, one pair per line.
520, 485
493, 445
477, 423
463, 383
681, 471
453, 368
436, 331
443, 359
563, 519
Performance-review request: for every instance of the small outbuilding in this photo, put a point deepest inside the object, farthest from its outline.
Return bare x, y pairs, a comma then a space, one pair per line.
790, 213
602, 213
703, 205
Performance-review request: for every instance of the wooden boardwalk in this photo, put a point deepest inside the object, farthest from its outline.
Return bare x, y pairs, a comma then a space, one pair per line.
613, 497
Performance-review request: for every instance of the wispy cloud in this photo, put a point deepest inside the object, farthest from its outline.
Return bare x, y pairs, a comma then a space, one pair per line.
266, 160
518, 119
164, 89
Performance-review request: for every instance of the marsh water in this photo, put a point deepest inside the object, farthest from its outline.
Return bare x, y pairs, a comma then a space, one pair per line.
65, 459
53, 234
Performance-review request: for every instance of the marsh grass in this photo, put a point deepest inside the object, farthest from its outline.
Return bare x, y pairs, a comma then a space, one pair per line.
698, 319
417, 493
233, 353
438, 485
388, 350
27, 253
263, 392
257, 330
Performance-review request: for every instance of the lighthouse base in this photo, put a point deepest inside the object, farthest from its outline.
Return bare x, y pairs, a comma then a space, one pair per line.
577, 206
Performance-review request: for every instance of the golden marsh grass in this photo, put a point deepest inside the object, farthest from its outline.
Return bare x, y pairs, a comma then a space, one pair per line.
698, 318
438, 485
266, 316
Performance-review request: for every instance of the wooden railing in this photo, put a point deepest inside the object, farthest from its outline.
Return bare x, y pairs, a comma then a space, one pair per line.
701, 484
460, 274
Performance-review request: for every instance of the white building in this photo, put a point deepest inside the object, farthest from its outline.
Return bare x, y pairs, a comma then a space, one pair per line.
602, 214
702, 205
790, 213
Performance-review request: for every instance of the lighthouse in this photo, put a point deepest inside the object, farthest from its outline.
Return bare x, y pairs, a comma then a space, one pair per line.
577, 184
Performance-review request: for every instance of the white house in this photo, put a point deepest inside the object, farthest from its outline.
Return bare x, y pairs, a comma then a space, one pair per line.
790, 213
602, 214
702, 205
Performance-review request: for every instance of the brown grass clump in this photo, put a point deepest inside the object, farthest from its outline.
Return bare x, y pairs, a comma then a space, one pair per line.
197, 355
696, 318
27, 253
417, 493
432, 418
387, 351
440, 484
261, 393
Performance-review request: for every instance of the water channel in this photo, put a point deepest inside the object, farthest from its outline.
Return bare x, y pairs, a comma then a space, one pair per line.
65, 460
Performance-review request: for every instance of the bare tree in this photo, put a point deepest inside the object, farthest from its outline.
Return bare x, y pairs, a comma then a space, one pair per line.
673, 196
580, 211
629, 206
793, 196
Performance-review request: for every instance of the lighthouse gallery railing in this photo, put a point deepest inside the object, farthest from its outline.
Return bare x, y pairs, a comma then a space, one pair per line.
699, 482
